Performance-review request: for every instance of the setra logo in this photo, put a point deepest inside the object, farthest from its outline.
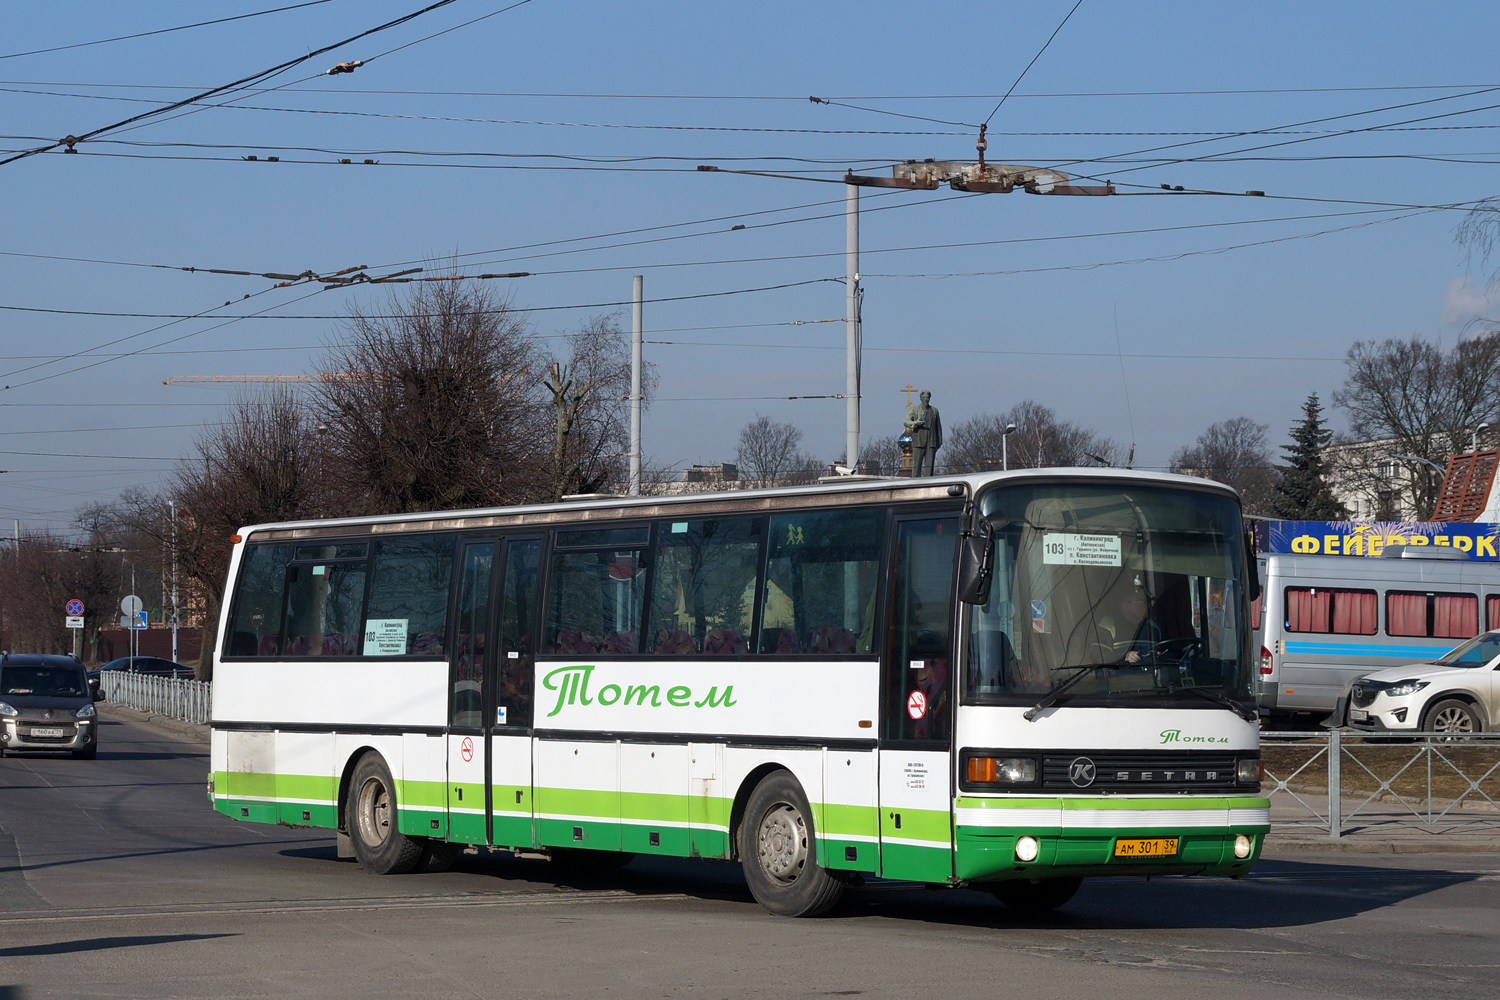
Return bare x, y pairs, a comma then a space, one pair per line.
1082, 772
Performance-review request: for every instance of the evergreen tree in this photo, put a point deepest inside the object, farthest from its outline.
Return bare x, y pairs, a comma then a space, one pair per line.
1303, 493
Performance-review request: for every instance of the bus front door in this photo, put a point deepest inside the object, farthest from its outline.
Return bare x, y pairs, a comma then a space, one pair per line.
469, 671
511, 702
489, 740
916, 798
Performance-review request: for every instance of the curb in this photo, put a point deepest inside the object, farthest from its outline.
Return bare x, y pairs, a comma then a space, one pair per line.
192, 730
1351, 845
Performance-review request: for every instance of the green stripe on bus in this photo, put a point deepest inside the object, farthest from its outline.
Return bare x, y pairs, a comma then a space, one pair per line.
985, 852
917, 824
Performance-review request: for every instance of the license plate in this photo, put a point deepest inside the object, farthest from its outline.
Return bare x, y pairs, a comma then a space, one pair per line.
46, 732
1154, 847
1358, 715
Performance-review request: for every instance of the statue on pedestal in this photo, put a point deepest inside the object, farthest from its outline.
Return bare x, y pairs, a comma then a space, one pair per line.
926, 429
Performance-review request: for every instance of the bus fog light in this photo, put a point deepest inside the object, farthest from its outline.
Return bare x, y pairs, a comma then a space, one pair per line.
1027, 847
1241, 846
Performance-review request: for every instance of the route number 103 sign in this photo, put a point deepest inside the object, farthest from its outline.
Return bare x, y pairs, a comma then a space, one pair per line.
1072, 549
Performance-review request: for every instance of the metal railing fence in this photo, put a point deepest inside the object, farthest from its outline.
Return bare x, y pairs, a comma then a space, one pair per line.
173, 697
1340, 780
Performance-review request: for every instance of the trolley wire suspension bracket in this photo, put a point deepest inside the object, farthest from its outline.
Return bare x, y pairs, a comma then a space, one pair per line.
979, 178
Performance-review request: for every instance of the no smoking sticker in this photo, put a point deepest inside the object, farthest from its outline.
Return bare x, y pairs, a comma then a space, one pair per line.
916, 705
466, 749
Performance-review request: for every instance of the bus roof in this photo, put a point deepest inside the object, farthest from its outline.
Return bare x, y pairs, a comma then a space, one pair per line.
617, 507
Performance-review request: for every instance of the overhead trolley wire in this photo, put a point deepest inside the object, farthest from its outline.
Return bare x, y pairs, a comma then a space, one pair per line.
252, 78
1034, 58
163, 31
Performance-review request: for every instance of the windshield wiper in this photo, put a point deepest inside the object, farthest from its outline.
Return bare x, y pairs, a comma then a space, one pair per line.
1050, 698
1247, 714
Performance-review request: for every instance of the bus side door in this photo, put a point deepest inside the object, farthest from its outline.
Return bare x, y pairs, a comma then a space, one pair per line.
916, 798
518, 631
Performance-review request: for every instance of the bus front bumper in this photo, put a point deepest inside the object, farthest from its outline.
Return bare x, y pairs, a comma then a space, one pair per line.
1077, 835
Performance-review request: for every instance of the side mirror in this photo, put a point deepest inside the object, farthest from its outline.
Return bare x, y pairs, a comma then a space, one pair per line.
1253, 565
976, 559
98, 695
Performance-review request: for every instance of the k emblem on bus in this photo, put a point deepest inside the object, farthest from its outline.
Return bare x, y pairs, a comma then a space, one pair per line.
1082, 772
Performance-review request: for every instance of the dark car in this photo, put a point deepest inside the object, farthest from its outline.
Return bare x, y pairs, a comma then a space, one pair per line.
153, 665
45, 704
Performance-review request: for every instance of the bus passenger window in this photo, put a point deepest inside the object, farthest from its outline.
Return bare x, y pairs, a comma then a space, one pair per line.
595, 602
259, 595
818, 595
323, 602
1330, 611
1446, 616
703, 599
408, 608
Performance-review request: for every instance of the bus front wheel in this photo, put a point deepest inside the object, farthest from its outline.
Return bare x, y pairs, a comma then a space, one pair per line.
779, 851
370, 815
1036, 897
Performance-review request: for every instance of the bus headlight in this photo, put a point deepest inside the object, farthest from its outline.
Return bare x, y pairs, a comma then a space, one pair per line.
1242, 846
1002, 770
1027, 848
1247, 770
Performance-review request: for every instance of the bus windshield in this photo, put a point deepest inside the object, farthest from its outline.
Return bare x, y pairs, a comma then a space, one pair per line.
1128, 595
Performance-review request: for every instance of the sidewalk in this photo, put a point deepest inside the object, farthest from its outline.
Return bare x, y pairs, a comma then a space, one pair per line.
190, 730
1380, 827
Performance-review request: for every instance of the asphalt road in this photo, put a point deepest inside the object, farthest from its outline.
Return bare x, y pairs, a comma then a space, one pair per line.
117, 880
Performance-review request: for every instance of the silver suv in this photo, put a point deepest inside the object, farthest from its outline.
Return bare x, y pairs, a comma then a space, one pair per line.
45, 704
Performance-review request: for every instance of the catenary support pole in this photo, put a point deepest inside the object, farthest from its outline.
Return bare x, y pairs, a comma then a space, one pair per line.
851, 326
173, 505
638, 292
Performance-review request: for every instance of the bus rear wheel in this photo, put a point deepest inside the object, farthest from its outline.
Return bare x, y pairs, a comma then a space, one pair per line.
779, 851
370, 814
1036, 897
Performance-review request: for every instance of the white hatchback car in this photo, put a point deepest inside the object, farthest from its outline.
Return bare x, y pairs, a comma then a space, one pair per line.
1458, 692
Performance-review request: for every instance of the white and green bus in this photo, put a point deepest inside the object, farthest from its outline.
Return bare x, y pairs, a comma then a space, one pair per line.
1011, 681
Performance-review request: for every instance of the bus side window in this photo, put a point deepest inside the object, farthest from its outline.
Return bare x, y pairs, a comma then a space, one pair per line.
408, 607
1492, 611
1331, 611
259, 595
595, 601
703, 595
1446, 616
324, 598
818, 595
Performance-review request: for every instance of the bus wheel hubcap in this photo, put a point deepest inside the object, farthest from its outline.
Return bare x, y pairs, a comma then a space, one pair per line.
782, 843
374, 812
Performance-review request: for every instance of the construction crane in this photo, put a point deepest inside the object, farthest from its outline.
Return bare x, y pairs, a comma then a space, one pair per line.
314, 377
205, 379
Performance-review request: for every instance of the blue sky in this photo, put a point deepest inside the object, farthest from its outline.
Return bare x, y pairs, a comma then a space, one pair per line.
1204, 337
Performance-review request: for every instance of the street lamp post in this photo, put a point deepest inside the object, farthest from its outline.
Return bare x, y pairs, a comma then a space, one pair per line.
1474, 437
1005, 447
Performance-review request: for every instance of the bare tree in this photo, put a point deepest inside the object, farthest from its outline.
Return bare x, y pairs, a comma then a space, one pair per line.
436, 408
768, 454
1234, 452
265, 462
591, 394
880, 456
1421, 400
41, 572
1479, 233
1040, 440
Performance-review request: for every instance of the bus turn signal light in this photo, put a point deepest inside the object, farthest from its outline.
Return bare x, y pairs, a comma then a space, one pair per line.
1265, 660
